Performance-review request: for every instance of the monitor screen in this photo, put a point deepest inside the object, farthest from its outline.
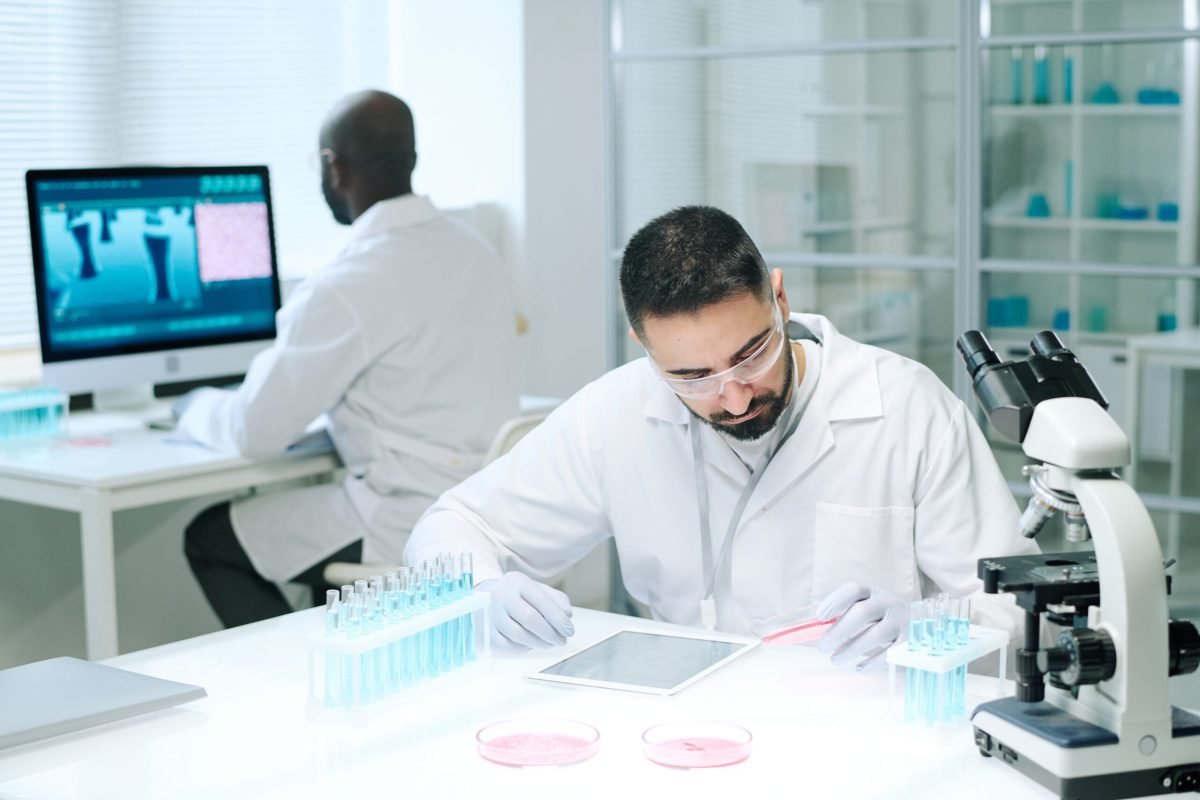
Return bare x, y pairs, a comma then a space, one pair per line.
134, 260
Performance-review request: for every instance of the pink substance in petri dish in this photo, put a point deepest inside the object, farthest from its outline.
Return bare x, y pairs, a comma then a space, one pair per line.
536, 743
801, 633
691, 745
698, 752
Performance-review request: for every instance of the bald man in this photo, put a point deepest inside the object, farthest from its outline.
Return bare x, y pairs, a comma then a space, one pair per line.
406, 343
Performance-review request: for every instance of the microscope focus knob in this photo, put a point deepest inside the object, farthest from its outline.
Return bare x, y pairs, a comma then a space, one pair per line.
1082, 657
1184, 644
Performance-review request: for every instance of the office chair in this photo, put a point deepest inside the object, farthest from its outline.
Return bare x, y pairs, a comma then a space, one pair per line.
340, 573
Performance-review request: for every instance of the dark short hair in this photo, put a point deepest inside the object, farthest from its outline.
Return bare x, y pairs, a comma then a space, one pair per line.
687, 259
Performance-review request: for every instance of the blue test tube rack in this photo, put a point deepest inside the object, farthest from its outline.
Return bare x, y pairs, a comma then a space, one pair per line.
377, 658
32, 413
935, 683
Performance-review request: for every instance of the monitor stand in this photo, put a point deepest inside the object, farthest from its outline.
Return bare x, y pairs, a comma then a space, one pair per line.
136, 396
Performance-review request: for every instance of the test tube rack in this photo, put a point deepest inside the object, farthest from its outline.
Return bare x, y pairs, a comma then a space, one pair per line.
930, 674
348, 671
32, 413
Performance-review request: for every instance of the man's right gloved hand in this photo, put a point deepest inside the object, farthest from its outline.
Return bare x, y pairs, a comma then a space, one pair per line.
528, 613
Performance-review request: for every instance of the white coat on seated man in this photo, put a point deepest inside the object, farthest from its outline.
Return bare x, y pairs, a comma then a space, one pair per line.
742, 474
407, 342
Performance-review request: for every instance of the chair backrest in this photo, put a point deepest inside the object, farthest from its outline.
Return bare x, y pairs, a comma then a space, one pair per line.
339, 572
511, 432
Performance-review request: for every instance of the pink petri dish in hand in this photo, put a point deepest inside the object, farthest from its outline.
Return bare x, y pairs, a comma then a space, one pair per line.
803, 632
537, 742
798, 626
692, 745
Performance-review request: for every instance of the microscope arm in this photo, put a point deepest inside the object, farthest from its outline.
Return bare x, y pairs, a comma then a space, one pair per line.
1081, 446
1133, 611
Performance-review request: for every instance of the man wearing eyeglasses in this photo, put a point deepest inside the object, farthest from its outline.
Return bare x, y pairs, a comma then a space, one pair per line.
743, 473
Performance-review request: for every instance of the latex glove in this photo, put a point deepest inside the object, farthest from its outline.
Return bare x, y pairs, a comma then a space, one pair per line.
871, 621
180, 406
528, 613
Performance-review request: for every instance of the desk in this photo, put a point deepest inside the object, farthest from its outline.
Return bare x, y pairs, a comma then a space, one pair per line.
111, 462
819, 731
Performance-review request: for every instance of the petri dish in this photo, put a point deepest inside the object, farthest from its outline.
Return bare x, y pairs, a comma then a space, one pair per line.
692, 745
801, 626
537, 742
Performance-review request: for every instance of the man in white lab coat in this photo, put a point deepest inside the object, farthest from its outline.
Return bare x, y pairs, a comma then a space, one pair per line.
743, 475
406, 342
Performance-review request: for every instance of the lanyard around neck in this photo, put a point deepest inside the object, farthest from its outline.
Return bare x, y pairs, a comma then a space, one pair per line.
790, 420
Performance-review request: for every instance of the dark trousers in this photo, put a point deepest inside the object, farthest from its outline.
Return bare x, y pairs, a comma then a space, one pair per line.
236, 592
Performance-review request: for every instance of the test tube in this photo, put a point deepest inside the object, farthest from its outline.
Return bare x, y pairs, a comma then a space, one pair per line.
448, 628
420, 604
468, 585
353, 628
366, 660
914, 678
333, 602
405, 579
391, 597
437, 634
963, 616
458, 626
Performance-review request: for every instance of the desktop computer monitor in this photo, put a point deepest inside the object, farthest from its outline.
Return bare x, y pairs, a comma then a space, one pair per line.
151, 275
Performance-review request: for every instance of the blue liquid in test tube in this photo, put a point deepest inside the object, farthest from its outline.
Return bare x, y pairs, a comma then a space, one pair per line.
468, 584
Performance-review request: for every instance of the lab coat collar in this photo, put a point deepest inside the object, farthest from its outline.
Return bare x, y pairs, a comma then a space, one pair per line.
395, 212
849, 386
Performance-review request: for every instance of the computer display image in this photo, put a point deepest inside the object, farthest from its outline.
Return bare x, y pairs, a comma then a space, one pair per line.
150, 259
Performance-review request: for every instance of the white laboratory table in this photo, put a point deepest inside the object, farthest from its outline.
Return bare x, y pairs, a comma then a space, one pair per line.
819, 731
1179, 349
110, 462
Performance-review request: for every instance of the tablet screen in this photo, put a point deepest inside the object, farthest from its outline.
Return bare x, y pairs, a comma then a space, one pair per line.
644, 661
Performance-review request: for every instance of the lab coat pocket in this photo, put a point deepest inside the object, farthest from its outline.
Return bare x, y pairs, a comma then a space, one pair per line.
872, 545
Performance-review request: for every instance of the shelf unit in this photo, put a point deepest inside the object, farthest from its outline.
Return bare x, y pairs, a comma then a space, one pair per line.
1112, 277
1088, 169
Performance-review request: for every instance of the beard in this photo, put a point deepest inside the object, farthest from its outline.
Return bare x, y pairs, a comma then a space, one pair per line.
337, 205
771, 403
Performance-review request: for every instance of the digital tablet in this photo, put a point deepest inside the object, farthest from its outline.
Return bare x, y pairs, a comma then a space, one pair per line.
646, 661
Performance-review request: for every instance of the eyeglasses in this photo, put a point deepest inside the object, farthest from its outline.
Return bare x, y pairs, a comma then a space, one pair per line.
316, 160
748, 370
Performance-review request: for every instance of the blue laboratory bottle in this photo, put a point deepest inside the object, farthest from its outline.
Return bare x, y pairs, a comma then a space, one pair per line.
1041, 75
1017, 73
1068, 77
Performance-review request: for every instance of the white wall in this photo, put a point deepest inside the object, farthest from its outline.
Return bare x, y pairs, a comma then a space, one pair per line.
565, 216
459, 65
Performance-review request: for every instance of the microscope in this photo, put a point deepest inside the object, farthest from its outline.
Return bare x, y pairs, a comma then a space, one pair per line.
1104, 727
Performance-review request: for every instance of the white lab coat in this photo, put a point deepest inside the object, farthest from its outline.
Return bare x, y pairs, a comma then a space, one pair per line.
887, 481
407, 341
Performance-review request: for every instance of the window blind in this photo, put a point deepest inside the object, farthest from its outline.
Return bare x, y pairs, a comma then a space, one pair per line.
90, 83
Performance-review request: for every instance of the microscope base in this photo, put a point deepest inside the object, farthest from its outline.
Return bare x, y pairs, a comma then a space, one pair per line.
1076, 759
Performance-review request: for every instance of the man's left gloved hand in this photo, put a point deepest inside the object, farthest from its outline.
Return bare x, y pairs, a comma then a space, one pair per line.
871, 621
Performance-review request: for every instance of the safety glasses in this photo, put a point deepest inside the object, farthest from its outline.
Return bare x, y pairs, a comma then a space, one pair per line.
750, 369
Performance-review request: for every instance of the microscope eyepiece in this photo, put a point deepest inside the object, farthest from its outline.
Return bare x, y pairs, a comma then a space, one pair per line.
1048, 345
976, 352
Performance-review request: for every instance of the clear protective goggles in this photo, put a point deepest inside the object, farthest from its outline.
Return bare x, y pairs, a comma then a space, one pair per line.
748, 370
